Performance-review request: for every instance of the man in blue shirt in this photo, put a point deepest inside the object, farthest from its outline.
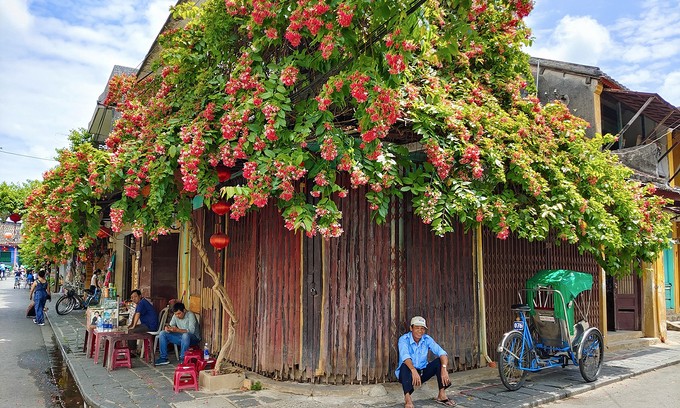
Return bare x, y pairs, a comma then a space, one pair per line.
413, 368
145, 318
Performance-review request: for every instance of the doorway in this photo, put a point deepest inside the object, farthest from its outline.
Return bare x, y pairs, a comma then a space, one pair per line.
623, 303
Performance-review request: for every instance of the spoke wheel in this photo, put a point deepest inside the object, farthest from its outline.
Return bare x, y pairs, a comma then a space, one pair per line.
64, 305
509, 358
592, 355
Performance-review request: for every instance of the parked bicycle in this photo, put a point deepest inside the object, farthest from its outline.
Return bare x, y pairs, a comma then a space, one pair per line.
73, 301
545, 333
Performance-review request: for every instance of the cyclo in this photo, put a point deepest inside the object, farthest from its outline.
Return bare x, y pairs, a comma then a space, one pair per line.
544, 334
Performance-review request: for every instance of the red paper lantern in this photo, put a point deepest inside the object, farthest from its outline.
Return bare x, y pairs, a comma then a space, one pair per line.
8, 235
104, 232
146, 190
15, 217
223, 173
221, 207
219, 240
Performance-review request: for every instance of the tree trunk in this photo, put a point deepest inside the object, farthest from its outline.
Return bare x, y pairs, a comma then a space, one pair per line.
218, 288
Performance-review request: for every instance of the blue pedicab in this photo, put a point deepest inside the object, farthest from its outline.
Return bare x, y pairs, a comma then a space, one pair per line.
544, 334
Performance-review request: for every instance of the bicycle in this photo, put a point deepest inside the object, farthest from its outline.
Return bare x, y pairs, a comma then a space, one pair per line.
73, 301
544, 334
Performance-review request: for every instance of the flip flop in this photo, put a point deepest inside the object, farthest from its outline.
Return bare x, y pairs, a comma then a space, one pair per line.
448, 402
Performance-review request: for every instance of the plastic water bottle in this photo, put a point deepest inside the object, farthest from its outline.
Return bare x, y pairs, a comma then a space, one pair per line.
206, 352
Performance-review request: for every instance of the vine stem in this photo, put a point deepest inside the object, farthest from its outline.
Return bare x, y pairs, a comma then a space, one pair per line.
220, 291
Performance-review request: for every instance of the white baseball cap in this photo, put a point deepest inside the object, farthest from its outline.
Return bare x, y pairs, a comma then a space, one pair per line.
418, 321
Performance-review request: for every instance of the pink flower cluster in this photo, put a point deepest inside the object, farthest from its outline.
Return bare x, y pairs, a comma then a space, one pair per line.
356, 86
289, 75
117, 219
288, 173
324, 98
440, 159
471, 157
190, 158
426, 210
345, 15
329, 150
358, 178
396, 63
239, 207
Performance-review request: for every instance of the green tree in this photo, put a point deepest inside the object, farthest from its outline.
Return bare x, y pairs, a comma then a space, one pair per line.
13, 195
422, 97
63, 213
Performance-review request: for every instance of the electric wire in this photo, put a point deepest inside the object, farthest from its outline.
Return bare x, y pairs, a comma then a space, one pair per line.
26, 155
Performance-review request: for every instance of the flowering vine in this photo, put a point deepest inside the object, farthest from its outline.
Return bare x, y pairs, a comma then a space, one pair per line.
423, 100
63, 214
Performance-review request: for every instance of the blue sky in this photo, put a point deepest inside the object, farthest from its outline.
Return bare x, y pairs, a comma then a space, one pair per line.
56, 56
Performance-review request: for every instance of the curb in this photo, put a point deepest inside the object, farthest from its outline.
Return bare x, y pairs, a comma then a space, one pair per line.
89, 401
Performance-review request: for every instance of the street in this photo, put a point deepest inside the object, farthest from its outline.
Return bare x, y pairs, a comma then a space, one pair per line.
26, 377
659, 389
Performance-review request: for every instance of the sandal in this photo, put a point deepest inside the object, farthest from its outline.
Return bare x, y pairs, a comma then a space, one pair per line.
448, 402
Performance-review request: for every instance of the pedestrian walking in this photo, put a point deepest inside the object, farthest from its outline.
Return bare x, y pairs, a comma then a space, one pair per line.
40, 292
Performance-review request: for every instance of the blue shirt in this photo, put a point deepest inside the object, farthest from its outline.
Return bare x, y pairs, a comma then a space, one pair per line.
417, 352
147, 314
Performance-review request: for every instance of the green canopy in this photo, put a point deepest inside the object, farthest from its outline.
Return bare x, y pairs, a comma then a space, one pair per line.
568, 283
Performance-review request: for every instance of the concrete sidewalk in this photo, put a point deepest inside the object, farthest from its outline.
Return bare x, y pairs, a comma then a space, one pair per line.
147, 386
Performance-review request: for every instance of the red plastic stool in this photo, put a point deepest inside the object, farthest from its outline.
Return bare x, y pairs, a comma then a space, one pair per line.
192, 356
202, 364
185, 377
121, 356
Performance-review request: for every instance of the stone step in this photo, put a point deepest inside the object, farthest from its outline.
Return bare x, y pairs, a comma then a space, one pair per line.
623, 335
672, 317
631, 344
674, 325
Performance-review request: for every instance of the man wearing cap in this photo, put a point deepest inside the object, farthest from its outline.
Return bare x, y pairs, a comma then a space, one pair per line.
413, 368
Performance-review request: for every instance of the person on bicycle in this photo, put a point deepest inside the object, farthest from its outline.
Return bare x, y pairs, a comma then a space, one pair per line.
41, 290
413, 369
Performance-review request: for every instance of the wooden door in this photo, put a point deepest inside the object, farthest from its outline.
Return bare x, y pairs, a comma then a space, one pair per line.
669, 276
627, 294
164, 261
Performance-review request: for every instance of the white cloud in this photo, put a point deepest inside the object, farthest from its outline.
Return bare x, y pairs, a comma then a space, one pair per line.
579, 39
670, 90
635, 42
55, 59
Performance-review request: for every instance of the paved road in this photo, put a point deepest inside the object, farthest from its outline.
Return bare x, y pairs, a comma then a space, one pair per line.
25, 374
658, 389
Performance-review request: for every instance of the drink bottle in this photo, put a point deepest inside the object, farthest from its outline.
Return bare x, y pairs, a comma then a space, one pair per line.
206, 352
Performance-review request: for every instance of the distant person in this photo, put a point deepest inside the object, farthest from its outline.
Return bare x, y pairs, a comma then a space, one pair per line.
17, 279
30, 278
3, 269
183, 330
40, 290
413, 369
94, 282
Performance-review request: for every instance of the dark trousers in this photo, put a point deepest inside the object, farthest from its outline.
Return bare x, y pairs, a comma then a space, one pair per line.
140, 328
432, 369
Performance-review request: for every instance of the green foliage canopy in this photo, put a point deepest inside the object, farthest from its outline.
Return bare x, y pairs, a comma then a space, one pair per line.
288, 92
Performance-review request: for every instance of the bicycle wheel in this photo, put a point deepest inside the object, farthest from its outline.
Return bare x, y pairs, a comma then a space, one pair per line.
64, 305
511, 353
592, 354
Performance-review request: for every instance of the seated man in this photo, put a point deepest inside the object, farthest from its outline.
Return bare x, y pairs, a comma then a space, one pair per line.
183, 330
413, 368
145, 318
